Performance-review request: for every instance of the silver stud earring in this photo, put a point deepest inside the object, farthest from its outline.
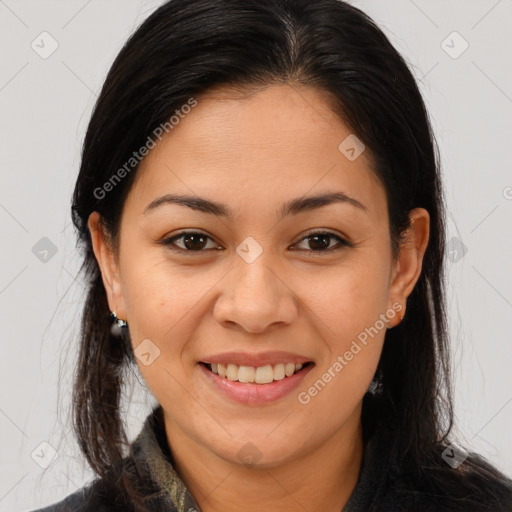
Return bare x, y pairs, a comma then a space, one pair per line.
118, 327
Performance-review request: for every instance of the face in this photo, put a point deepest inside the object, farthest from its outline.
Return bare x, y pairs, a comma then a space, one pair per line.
264, 280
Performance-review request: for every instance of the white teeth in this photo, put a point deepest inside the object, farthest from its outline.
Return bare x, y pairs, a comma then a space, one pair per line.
260, 375
246, 374
232, 372
264, 374
289, 369
279, 371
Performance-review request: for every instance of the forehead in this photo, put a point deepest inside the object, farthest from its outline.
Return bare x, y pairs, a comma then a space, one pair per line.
235, 145
227, 123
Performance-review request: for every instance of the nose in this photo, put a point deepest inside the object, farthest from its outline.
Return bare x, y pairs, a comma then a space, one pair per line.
255, 298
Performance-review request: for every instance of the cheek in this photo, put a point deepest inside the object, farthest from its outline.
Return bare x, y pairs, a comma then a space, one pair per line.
351, 297
164, 302
162, 306
352, 328
352, 306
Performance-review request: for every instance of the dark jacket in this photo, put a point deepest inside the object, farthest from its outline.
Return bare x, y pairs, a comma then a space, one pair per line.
383, 485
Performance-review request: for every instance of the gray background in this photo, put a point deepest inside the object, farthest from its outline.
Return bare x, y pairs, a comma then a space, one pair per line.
45, 105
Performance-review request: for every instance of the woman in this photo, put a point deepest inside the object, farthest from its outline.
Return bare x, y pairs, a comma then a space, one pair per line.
262, 221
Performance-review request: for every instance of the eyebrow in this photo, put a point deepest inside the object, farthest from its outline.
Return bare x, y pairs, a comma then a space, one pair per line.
293, 207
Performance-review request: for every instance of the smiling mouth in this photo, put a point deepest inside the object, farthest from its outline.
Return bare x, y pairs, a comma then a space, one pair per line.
256, 374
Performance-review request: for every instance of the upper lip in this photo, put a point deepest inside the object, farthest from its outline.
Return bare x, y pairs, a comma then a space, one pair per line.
260, 359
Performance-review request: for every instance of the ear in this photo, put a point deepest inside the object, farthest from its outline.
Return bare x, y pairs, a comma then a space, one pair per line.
408, 264
108, 265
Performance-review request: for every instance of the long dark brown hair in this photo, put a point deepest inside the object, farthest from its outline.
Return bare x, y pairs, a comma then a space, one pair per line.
187, 47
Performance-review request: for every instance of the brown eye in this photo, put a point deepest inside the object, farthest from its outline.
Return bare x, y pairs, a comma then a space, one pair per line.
194, 242
191, 242
321, 242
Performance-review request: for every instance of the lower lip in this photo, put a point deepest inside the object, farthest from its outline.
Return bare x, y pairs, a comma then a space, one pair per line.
256, 394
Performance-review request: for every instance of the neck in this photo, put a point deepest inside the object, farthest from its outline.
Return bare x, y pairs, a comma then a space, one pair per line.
322, 479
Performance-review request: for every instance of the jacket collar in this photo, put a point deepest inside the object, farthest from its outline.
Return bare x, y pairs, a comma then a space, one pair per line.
152, 456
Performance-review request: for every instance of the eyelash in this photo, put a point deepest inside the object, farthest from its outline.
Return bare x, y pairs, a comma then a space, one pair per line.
169, 242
